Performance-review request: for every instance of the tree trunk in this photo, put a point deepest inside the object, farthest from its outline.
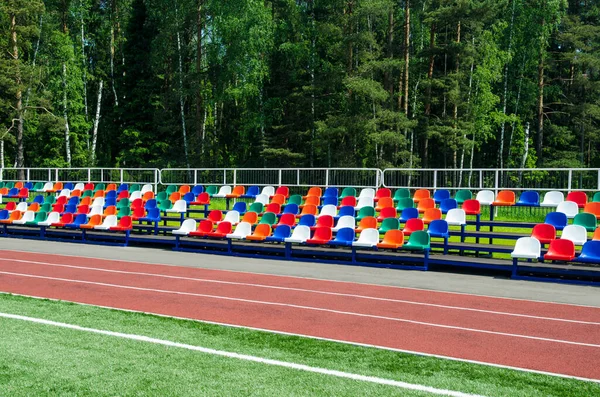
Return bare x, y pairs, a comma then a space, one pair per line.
66, 116
181, 100
512, 129
540, 102
428, 100
505, 96
200, 111
388, 84
455, 106
312, 67
525, 146
20, 163
85, 98
350, 50
406, 54
112, 51
462, 155
96, 123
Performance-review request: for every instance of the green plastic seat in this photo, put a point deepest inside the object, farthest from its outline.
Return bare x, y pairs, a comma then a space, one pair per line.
463, 195
38, 186
418, 240
125, 211
212, 190
87, 193
9, 185
50, 199
134, 188
405, 202
165, 205
295, 199
123, 203
1, 185
40, 216
348, 192
256, 207
596, 198
389, 224
268, 218
364, 212
99, 186
586, 220
46, 207
401, 194
161, 196
172, 189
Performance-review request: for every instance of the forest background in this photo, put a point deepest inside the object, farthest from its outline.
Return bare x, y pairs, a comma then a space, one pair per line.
290, 83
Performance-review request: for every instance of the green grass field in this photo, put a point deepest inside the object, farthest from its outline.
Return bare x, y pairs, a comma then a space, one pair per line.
44, 360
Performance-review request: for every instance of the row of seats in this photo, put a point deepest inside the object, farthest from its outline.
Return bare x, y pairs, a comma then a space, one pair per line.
562, 249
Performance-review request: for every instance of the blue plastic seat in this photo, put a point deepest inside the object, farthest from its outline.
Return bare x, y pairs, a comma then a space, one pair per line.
38, 199
14, 192
240, 207
4, 214
408, 213
344, 237
291, 209
73, 201
28, 185
346, 210
441, 195
252, 192
529, 198
111, 194
448, 204
557, 219
68, 185
122, 186
196, 190
189, 197
150, 204
152, 215
108, 201
330, 200
79, 220
438, 228
331, 192
71, 208
590, 252
307, 220
281, 233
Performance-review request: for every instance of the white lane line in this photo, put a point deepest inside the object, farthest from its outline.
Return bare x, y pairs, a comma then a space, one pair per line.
396, 319
274, 331
300, 277
245, 357
206, 280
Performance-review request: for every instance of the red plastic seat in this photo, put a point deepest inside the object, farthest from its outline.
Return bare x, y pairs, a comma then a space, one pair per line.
11, 206
472, 207
23, 193
578, 197
124, 224
561, 250
60, 208
384, 202
322, 236
382, 192
61, 200
324, 221
425, 204
421, 194
413, 225
349, 201
215, 216
368, 222
273, 207
287, 219
202, 199
283, 190
505, 198
65, 219
544, 233
138, 212
387, 212
123, 194
223, 229
205, 227
431, 214
137, 203
83, 209
88, 186
393, 239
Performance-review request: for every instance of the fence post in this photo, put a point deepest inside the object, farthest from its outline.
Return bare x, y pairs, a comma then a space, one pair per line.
280, 177
496, 181
121, 174
598, 180
224, 176
195, 177
327, 177
28, 175
234, 176
434, 180
570, 180
2, 174
89, 175
56, 174
480, 179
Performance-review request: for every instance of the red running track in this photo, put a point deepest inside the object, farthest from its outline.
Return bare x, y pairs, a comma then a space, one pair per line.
548, 337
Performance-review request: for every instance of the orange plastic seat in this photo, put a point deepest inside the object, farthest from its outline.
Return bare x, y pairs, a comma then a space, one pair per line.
431, 214
251, 217
58, 186
95, 220
14, 216
183, 189
596, 234
205, 227
593, 208
148, 196
99, 193
322, 236
174, 197
278, 199
393, 239
35, 207
368, 222
314, 191
261, 232
421, 194
110, 210
384, 202
308, 210
237, 192
413, 225
19, 185
311, 200
75, 193
505, 198
425, 204
4, 191
111, 186
387, 212
86, 201
124, 224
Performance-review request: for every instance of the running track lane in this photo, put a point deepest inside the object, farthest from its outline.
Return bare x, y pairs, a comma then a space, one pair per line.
549, 337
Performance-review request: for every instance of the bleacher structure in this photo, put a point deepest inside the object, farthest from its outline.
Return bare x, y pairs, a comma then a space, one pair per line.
369, 223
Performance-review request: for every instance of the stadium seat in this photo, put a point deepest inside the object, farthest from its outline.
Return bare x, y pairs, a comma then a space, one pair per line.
322, 236
463, 195
580, 198
188, 197
242, 230
237, 192
529, 198
485, 197
171, 189
287, 219
240, 207
348, 201
275, 208
174, 197
225, 228
180, 207
439, 228
150, 204
505, 198
418, 241
590, 252
367, 192
53, 217
124, 225
329, 209
425, 204
308, 210
79, 186
165, 205
281, 233
261, 233
344, 237
99, 193
331, 192
215, 216
569, 208
123, 194
447, 205
202, 199
111, 187
123, 211
324, 221
223, 192
365, 211
83, 209
596, 234
65, 193
393, 239
389, 224
23, 194
232, 217
124, 203
268, 218
98, 202
421, 194
329, 201
441, 195
137, 213
87, 193
348, 192
14, 216
431, 214
368, 238
343, 222
401, 194
347, 210
189, 225
368, 222
99, 186
80, 219
86, 201
587, 220
577, 234
384, 202
58, 207
65, 219
283, 190
291, 209
252, 192
28, 216
295, 199
146, 188
183, 189
250, 217
408, 213
413, 225
593, 208
263, 199
110, 210
383, 192
196, 190
557, 219
48, 186
387, 212
527, 248
33, 207
560, 250
405, 202
472, 207
311, 200
211, 190
71, 208
596, 198
19, 185
314, 191
46, 207
205, 227
112, 194
308, 220
57, 187
12, 193
544, 233
300, 234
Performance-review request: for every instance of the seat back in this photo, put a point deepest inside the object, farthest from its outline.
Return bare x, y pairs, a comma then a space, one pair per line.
388, 212
86, 201
413, 225
67, 218
190, 198
266, 190
569, 208
243, 229
262, 199
50, 199
325, 221
506, 197
224, 190
215, 216
312, 200
472, 207
226, 228
441, 195
238, 190
438, 228
456, 217
323, 233
557, 219
196, 190
139, 212
394, 237
123, 194
368, 222
463, 195
591, 249
345, 235
347, 210
553, 198
283, 231
562, 247
331, 192
99, 193
328, 209
348, 201
53, 217
383, 192
345, 221
165, 205
269, 218
211, 190
240, 207
287, 219
34, 207
73, 201
83, 209
189, 225
275, 208
135, 188
527, 247
183, 189
40, 216
205, 226
401, 194
283, 190
369, 236
447, 205
171, 189
389, 224
123, 203
485, 197
148, 196
421, 194
420, 239
330, 200
348, 192
291, 209
405, 202
4, 214
80, 219
110, 210
250, 217
309, 209
308, 220
425, 204
367, 192
432, 214
593, 208
262, 230
180, 206
203, 198
587, 220
577, 234
578, 197
409, 213
125, 222
544, 232
530, 197
111, 187
301, 232
173, 197
385, 202
150, 204
295, 199
366, 211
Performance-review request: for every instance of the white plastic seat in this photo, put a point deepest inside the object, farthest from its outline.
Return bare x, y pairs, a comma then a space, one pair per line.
368, 238
79, 186
485, 197
189, 225
232, 217
268, 191
47, 186
364, 202
328, 209
98, 202
223, 191
367, 192
22, 206
300, 235
53, 217
135, 195
552, 199
262, 198
527, 248
569, 208
96, 210
180, 207
345, 221
456, 217
576, 233
109, 222
0, 199
146, 188
65, 192
242, 230
28, 216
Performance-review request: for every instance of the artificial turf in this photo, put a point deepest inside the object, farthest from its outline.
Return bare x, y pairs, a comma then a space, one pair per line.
40, 360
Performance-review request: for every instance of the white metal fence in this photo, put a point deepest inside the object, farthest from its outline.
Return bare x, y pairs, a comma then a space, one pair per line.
94, 175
